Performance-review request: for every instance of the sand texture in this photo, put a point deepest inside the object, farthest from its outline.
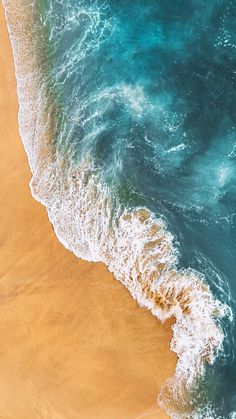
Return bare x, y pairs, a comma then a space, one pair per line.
74, 345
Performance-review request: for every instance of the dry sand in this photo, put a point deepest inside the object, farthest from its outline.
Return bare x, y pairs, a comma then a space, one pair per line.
74, 345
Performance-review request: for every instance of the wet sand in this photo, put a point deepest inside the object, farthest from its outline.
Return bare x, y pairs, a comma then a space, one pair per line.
74, 345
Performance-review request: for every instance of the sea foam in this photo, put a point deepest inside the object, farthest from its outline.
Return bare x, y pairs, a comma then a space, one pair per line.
89, 220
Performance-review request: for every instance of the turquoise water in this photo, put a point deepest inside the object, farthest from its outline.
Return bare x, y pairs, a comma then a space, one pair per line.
147, 93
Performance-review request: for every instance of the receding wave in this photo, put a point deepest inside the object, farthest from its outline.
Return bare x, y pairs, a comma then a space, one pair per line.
89, 220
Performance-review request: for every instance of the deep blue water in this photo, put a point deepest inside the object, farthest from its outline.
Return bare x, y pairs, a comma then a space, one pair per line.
148, 88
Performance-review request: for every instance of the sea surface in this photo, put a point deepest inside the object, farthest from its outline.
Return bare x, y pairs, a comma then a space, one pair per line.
128, 116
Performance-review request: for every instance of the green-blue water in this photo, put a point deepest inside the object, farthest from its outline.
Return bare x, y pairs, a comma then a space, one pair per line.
147, 89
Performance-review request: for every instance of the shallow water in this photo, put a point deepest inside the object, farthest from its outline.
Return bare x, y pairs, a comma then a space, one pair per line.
146, 98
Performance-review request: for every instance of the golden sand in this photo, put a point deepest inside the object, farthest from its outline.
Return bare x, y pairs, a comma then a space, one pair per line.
74, 345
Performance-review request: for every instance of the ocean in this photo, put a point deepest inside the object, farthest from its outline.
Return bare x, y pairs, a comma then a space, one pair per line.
127, 114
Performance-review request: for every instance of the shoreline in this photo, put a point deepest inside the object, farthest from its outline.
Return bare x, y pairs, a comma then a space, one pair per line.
73, 346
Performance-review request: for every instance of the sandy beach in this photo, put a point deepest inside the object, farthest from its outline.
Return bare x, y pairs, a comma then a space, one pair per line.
74, 345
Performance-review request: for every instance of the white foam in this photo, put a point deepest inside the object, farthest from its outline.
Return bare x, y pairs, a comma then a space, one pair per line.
138, 249
133, 244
